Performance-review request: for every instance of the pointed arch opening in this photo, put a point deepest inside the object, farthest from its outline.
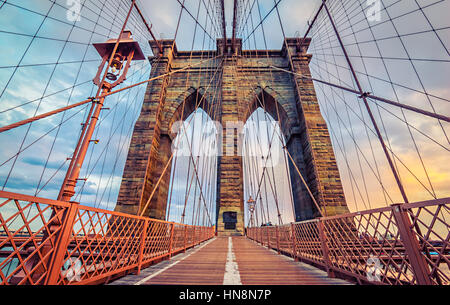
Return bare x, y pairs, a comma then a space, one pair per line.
193, 178
267, 181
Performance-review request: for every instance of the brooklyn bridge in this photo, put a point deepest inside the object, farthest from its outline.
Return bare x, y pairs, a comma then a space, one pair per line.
244, 142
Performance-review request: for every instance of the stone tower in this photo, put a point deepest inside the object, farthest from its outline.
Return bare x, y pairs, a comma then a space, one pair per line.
245, 78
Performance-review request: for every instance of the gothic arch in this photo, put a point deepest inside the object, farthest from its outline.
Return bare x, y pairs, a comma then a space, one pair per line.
306, 134
183, 106
272, 102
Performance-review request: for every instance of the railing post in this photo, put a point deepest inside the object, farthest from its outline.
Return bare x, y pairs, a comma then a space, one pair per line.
324, 247
62, 244
411, 244
195, 236
278, 239
185, 236
268, 237
294, 242
172, 229
142, 245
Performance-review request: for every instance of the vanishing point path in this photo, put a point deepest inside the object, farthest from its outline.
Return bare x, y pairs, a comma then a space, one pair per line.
230, 261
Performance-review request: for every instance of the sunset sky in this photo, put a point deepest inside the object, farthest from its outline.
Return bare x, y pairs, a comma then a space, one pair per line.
48, 62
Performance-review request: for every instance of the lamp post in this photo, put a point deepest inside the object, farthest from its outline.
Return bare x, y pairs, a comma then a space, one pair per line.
251, 207
117, 56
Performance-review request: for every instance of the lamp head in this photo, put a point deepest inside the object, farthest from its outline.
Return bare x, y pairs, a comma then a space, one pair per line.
117, 62
127, 50
251, 204
126, 45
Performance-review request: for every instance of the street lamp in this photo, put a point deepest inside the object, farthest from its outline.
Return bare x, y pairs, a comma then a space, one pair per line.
127, 51
251, 207
123, 51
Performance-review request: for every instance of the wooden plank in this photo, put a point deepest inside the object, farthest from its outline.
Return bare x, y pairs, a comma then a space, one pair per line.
204, 267
257, 266
260, 266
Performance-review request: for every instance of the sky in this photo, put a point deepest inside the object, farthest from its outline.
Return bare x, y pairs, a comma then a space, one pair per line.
48, 62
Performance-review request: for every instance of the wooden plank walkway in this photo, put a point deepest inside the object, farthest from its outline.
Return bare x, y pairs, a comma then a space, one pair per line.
235, 260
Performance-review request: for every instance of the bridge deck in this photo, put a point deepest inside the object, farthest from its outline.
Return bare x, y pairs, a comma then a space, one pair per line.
234, 261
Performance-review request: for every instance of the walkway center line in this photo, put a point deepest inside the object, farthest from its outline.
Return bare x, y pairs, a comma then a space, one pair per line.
231, 276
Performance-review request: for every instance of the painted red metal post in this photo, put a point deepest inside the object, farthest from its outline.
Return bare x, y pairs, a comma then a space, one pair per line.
195, 236
268, 237
60, 249
294, 241
278, 239
185, 237
72, 175
263, 235
411, 244
324, 247
69, 187
142, 245
172, 229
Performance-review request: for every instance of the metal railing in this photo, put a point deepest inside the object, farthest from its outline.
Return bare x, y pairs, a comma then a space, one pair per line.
397, 245
49, 242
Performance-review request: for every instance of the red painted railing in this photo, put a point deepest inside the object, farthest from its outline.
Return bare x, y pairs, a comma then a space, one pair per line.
398, 245
52, 242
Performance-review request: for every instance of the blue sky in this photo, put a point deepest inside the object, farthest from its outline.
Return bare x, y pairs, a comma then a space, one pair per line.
48, 86
37, 32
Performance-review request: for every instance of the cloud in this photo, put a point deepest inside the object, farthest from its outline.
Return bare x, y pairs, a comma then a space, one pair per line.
28, 83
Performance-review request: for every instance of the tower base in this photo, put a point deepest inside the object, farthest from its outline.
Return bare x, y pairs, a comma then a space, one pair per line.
230, 222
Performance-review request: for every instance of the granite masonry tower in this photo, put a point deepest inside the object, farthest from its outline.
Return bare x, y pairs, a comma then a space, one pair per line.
245, 78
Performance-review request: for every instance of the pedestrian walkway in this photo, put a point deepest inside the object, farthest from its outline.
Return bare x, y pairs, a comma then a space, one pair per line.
230, 261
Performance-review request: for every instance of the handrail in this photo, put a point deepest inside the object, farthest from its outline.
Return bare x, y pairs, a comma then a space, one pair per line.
378, 246
53, 242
